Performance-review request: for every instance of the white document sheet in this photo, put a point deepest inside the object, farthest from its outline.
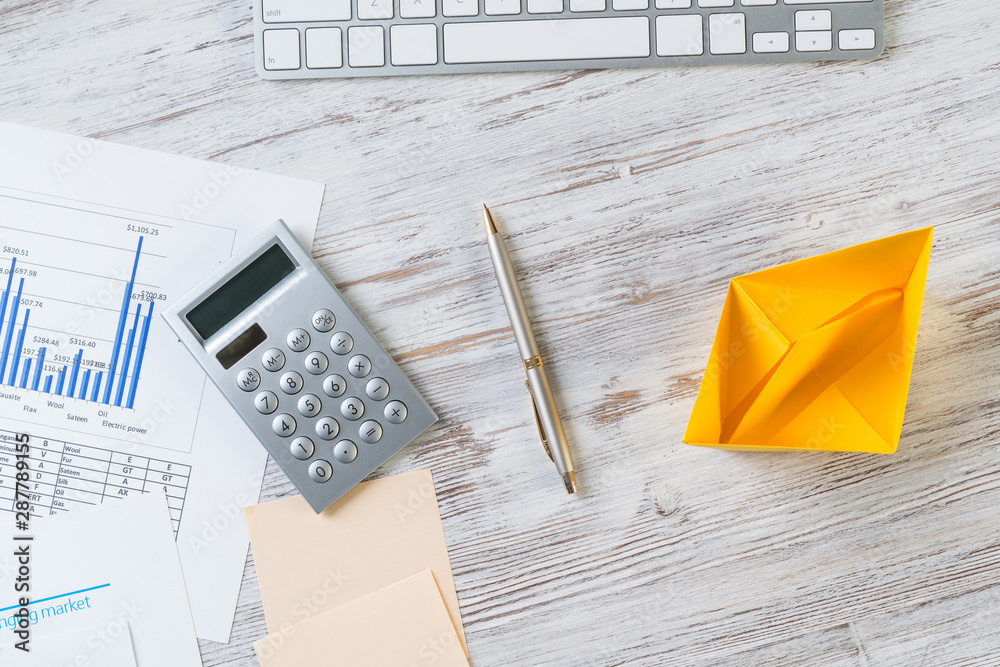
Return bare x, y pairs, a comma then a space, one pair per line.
88, 647
97, 239
102, 568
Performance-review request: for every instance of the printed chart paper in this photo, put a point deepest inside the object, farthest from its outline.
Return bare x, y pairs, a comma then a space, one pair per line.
103, 567
95, 240
89, 647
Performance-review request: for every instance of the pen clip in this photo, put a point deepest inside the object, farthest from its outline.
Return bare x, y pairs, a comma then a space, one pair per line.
538, 422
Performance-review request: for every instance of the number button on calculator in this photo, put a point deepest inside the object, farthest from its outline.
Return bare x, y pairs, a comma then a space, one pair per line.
309, 405
298, 340
320, 471
283, 425
302, 448
352, 408
273, 360
317, 363
266, 402
327, 428
323, 320
334, 386
291, 382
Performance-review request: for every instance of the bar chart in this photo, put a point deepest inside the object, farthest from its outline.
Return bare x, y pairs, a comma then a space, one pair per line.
109, 382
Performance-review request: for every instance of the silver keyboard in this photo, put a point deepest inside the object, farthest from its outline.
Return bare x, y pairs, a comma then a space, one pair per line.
304, 39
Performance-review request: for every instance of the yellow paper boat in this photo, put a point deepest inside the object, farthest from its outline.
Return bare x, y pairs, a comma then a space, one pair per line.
816, 354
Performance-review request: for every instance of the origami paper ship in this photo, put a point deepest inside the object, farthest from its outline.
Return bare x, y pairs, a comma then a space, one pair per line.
816, 354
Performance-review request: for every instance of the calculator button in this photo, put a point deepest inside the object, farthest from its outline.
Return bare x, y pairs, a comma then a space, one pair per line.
273, 360
341, 343
323, 320
248, 379
395, 412
266, 402
317, 363
345, 451
334, 385
302, 448
359, 366
298, 340
370, 431
291, 382
327, 428
309, 405
283, 425
320, 471
352, 408
377, 389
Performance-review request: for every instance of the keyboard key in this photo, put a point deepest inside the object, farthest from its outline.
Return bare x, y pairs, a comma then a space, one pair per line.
323, 48
587, 5
365, 48
813, 41
715, 3
679, 35
460, 7
851, 40
413, 45
756, 3
545, 6
559, 39
503, 7
369, 10
727, 33
416, 9
627, 5
295, 11
813, 2
281, 49
673, 4
816, 19
770, 42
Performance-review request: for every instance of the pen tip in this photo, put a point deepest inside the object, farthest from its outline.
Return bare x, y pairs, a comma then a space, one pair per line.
491, 227
570, 481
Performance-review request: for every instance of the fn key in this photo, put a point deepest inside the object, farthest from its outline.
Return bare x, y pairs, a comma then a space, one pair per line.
281, 49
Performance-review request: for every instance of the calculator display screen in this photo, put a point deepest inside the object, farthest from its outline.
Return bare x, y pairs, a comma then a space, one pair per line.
239, 292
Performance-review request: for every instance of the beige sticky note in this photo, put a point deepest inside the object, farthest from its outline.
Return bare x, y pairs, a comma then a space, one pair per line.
404, 624
379, 533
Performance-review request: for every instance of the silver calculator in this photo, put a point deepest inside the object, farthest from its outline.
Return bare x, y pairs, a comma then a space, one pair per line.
317, 389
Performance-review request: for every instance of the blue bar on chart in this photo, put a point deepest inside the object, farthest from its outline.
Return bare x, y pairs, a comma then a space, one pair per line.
97, 386
122, 318
83, 385
138, 359
10, 327
128, 357
38, 369
24, 375
18, 348
124, 365
72, 376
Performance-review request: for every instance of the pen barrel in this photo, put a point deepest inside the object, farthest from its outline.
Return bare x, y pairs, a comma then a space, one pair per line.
549, 416
512, 300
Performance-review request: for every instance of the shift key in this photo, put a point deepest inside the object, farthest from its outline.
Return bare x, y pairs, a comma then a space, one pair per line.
295, 11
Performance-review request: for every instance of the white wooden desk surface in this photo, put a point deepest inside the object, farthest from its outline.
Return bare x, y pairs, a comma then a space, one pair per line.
629, 197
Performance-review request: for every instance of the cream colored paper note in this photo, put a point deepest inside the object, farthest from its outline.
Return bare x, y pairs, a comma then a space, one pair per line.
380, 532
404, 624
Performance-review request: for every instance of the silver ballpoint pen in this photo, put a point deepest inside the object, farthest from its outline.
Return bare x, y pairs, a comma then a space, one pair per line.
550, 427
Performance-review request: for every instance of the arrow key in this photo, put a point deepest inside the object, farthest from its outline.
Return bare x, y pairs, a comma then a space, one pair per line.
814, 41
770, 42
